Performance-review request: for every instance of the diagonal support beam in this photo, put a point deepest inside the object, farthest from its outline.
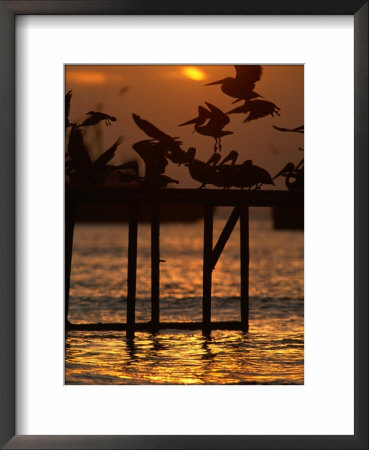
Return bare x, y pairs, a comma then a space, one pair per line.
223, 238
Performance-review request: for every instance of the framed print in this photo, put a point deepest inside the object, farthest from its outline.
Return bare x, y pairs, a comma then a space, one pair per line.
287, 368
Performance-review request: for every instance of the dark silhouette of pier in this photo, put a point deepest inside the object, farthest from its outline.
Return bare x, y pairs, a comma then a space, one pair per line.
208, 198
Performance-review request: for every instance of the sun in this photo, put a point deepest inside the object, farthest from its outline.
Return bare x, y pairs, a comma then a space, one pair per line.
194, 73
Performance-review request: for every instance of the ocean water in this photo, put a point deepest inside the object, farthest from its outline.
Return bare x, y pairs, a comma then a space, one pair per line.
272, 352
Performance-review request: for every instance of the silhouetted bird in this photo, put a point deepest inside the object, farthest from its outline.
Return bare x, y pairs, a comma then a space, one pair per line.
210, 122
123, 90
68, 97
80, 167
154, 132
227, 173
214, 159
232, 156
291, 130
294, 176
201, 171
177, 155
103, 159
153, 156
256, 109
250, 175
96, 117
242, 86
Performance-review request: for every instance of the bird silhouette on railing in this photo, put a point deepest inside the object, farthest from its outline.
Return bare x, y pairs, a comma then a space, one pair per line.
203, 172
96, 117
227, 172
251, 175
291, 130
210, 122
294, 176
242, 86
79, 166
256, 109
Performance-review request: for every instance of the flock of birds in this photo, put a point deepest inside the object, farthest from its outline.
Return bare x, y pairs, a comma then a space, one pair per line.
161, 147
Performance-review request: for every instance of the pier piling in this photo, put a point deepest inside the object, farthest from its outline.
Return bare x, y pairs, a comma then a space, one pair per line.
207, 268
155, 265
132, 269
244, 262
208, 198
69, 231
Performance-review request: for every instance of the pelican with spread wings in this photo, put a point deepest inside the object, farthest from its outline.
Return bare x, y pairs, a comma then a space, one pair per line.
210, 122
241, 87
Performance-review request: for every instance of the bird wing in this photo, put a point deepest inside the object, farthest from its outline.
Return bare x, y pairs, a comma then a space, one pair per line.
77, 149
291, 130
108, 154
240, 109
218, 117
150, 129
248, 74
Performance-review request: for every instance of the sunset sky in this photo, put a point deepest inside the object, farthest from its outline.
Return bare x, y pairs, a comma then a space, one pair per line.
170, 95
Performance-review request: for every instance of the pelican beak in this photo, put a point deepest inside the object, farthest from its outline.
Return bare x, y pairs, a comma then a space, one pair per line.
189, 122
215, 82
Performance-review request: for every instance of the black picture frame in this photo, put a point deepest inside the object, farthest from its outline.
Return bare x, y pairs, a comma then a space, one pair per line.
8, 12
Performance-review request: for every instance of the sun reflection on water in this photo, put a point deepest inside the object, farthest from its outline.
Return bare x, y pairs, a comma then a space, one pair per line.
271, 353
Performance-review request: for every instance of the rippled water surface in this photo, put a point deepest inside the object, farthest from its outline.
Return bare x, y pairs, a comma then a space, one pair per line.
272, 352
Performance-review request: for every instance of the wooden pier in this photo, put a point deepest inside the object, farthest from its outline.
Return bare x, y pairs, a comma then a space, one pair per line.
208, 198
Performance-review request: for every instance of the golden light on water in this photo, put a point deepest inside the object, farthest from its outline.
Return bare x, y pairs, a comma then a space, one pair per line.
194, 73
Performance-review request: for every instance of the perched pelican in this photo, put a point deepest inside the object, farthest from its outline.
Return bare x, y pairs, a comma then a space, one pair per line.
294, 176
201, 171
250, 175
242, 86
210, 122
256, 109
96, 117
228, 172
214, 159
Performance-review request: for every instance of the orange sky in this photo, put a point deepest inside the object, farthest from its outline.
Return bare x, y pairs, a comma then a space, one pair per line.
170, 95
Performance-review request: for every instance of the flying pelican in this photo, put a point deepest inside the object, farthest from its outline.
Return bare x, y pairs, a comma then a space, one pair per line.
257, 109
291, 130
96, 117
294, 176
210, 122
154, 132
242, 86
